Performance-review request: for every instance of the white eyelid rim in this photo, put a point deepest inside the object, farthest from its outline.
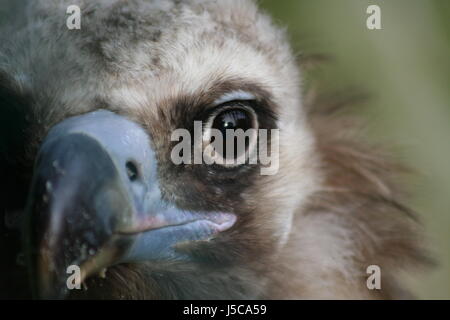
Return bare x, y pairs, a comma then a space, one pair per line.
234, 95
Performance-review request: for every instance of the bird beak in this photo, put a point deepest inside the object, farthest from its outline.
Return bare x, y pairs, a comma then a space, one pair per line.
95, 202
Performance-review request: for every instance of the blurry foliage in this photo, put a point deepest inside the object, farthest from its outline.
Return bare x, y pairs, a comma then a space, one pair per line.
406, 69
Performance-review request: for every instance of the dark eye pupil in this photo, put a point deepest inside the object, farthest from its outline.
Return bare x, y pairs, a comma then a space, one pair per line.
232, 119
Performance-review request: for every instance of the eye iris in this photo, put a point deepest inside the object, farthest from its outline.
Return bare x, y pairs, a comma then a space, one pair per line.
232, 119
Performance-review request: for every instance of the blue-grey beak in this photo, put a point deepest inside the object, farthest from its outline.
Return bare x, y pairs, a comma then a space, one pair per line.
95, 202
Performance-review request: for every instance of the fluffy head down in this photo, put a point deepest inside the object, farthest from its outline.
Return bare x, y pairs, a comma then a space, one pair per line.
308, 231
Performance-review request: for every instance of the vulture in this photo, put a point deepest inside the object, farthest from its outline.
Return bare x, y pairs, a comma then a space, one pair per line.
88, 178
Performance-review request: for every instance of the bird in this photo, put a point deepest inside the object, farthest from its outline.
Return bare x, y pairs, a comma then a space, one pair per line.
86, 141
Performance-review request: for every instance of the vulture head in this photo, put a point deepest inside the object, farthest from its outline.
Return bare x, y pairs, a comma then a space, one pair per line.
88, 118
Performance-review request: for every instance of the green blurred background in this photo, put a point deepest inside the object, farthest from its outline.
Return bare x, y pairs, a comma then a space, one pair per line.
406, 69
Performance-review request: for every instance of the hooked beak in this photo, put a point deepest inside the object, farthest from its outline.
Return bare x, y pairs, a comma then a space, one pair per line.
95, 201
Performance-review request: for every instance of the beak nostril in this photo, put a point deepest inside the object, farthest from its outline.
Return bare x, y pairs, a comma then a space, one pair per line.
132, 170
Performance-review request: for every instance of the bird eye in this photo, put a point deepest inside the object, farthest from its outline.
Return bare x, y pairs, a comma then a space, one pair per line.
232, 124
